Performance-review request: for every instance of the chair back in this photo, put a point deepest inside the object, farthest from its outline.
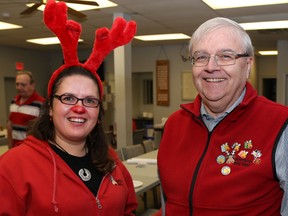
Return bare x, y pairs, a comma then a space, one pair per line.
138, 136
132, 151
148, 145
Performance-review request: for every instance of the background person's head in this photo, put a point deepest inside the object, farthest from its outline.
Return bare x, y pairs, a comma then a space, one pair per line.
222, 58
24, 84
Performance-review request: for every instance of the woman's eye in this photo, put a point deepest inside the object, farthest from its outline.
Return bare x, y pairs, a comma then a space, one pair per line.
68, 98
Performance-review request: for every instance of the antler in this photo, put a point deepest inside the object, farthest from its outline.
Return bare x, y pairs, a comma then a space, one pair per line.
67, 31
121, 33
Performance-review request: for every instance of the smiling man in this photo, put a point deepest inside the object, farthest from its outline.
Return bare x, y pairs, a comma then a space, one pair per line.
225, 154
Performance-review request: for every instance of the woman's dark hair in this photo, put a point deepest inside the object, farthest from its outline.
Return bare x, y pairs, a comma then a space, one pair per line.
43, 127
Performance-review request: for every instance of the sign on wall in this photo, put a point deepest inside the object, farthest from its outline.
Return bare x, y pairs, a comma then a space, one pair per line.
162, 82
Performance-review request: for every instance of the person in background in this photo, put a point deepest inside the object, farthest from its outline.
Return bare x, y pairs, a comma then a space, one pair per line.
23, 109
225, 153
65, 165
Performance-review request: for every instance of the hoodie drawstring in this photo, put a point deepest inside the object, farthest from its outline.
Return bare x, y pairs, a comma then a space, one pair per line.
53, 201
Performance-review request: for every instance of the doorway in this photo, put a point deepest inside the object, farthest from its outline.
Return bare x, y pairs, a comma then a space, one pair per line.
270, 88
10, 92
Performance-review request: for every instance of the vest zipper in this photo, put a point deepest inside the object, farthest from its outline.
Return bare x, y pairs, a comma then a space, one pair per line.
199, 164
190, 199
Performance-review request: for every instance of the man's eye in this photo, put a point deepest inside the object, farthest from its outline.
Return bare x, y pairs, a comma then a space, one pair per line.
201, 58
226, 57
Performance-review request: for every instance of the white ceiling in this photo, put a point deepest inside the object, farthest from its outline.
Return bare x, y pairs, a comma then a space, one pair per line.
152, 17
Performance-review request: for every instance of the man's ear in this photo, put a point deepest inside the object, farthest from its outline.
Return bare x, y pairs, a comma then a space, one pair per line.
250, 63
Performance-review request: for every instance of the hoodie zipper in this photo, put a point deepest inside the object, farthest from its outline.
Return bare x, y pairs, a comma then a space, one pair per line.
112, 181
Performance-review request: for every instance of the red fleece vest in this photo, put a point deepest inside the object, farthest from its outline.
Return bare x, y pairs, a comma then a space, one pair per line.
229, 171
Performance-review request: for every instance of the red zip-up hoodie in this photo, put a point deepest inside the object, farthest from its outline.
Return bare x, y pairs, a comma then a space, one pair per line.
34, 180
228, 171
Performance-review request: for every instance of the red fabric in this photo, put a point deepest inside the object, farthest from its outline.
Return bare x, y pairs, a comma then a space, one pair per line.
187, 160
134, 125
36, 181
68, 32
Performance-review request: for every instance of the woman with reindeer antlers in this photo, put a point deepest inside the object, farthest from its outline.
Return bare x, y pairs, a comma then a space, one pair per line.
65, 166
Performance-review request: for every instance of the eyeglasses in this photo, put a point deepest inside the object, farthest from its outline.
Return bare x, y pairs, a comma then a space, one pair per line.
72, 100
201, 59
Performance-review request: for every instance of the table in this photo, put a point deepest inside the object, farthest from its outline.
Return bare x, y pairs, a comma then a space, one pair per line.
146, 173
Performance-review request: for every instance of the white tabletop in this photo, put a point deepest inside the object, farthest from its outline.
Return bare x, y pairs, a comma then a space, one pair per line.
146, 173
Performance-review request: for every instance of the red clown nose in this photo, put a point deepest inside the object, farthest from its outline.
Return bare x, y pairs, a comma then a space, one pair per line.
78, 109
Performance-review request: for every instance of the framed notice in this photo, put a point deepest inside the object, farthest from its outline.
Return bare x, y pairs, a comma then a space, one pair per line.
189, 91
162, 82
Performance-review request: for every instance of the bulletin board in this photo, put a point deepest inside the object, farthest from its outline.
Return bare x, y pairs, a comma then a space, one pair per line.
162, 82
189, 91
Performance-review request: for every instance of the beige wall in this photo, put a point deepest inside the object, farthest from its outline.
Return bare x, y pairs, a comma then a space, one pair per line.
143, 59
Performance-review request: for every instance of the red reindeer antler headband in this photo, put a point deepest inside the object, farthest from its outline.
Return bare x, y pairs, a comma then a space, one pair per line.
68, 32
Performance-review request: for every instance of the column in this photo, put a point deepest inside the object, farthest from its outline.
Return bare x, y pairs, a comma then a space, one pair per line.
282, 72
123, 91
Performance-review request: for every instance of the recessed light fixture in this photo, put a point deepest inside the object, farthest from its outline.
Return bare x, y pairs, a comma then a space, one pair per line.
47, 41
82, 7
158, 37
282, 24
5, 26
268, 52
223, 4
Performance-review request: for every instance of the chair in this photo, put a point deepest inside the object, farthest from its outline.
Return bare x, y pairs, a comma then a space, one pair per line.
132, 151
120, 154
138, 136
148, 145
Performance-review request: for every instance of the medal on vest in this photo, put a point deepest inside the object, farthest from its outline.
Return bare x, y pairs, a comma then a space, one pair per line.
225, 170
230, 154
257, 154
221, 159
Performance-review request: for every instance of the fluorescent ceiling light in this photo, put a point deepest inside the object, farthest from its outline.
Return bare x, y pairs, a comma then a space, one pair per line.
158, 37
5, 26
223, 4
265, 25
47, 41
80, 7
270, 52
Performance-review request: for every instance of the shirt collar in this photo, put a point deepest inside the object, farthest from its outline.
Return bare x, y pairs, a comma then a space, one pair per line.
205, 114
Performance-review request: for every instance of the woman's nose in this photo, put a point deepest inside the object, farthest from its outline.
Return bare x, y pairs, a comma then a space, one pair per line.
78, 109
